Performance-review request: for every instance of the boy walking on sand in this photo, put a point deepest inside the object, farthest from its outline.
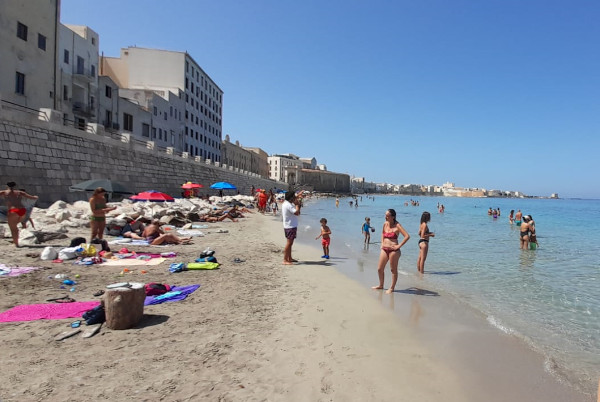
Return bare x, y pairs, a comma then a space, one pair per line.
325, 232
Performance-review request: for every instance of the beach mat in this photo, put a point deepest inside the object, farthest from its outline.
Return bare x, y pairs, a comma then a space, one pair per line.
128, 262
177, 293
16, 271
47, 311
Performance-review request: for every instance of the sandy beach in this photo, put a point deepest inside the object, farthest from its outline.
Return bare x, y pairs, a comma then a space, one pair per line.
260, 331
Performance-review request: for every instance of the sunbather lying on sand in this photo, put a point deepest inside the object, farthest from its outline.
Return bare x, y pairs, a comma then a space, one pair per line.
156, 236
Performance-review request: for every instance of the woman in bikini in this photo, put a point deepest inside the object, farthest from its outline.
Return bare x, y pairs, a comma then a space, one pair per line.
390, 248
16, 211
99, 210
524, 234
424, 235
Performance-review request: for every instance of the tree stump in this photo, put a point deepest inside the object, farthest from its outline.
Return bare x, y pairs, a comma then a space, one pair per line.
124, 306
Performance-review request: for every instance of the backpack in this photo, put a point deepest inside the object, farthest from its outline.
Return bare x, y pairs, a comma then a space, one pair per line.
154, 289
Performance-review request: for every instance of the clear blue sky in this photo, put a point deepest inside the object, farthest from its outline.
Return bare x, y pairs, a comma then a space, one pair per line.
491, 94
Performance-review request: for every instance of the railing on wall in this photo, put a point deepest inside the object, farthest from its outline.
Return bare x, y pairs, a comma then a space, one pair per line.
15, 106
127, 138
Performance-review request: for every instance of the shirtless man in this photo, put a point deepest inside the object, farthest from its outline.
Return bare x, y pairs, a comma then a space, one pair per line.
16, 211
518, 217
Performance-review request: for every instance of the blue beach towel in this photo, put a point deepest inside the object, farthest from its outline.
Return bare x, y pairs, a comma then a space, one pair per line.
177, 293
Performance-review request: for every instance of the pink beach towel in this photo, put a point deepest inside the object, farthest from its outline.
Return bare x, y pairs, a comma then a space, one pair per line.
15, 271
47, 311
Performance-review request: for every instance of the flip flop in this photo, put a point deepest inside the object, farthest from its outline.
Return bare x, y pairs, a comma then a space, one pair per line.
67, 334
64, 299
238, 261
99, 293
88, 333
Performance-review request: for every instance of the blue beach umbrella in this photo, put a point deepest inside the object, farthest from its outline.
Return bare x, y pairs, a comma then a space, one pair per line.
223, 185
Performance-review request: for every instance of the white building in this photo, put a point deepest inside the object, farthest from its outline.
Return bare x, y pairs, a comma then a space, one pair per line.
165, 70
78, 74
167, 125
279, 163
28, 49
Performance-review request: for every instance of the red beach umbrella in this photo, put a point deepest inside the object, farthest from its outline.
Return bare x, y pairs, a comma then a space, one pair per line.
152, 195
189, 185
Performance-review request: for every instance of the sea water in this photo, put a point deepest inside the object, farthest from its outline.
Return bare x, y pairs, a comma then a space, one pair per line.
548, 297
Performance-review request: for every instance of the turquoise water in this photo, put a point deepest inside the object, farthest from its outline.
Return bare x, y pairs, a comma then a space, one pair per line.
549, 297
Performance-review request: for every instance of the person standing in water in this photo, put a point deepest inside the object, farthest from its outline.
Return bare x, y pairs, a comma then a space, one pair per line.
518, 217
390, 249
16, 212
366, 229
511, 217
424, 235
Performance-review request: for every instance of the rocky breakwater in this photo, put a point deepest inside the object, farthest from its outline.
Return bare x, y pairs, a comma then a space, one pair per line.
62, 220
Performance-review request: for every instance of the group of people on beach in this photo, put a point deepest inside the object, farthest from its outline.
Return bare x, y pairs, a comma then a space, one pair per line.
526, 224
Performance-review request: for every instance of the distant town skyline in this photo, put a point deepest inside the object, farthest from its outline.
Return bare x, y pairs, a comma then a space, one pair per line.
489, 95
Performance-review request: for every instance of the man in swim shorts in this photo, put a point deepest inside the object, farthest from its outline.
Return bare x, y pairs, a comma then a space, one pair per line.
290, 209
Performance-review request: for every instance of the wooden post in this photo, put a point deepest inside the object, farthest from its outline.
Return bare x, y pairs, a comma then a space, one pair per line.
124, 306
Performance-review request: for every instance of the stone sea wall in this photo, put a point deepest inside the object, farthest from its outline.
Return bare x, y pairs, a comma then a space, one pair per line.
45, 158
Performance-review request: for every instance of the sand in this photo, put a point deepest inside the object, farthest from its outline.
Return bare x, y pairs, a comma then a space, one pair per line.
260, 331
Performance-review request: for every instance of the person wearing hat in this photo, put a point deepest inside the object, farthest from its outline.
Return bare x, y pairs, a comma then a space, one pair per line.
16, 211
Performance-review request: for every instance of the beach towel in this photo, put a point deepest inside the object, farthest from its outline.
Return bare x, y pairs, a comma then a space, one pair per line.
47, 311
16, 271
128, 262
177, 293
190, 233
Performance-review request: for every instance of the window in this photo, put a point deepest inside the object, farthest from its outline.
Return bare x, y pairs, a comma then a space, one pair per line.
93, 70
145, 130
80, 65
165, 115
66, 56
160, 133
65, 92
20, 83
21, 31
107, 118
92, 102
127, 122
155, 111
108, 92
41, 41
153, 132
93, 40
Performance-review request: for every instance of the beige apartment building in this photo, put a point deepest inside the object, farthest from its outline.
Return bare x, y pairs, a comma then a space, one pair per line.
28, 49
164, 71
253, 160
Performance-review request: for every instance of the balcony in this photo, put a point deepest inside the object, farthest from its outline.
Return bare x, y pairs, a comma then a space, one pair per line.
84, 74
109, 125
83, 109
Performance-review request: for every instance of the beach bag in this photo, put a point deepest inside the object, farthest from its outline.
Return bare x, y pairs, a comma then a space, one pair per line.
68, 253
202, 265
207, 259
154, 289
49, 253
95, 315
86, 250
177, 267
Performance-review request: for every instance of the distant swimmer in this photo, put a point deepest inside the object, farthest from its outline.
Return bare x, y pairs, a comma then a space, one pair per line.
337, 202
511, 217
